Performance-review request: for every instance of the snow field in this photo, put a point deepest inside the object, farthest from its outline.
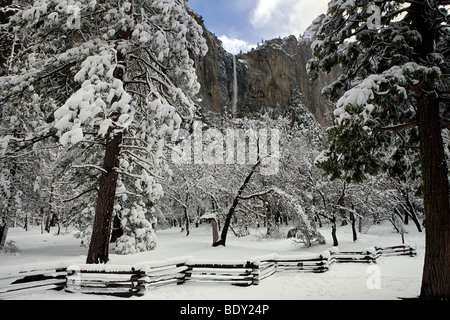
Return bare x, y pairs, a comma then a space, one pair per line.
390, 278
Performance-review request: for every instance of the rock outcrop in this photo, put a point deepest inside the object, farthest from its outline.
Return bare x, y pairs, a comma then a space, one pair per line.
267, 77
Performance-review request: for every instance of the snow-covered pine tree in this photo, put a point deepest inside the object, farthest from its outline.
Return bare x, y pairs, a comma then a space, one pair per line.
20, 165
115, 78
391, 101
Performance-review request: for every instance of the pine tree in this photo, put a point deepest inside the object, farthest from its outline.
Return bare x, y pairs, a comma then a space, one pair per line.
19, 162
391, 103
115, 80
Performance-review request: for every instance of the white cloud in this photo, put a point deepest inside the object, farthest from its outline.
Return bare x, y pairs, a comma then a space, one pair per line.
273, 18
235, 45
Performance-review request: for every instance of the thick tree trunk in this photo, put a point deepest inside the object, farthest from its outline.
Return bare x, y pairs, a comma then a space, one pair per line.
436, 275
99, 245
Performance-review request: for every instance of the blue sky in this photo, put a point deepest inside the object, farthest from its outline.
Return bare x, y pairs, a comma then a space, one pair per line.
241, 24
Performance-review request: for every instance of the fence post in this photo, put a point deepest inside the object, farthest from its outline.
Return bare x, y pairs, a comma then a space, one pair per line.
256, 271
187, 272
184, 264
73, 279
139, 281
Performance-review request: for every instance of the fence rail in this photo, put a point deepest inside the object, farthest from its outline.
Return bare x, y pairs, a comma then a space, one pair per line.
240, 273
32, 281
108, 280
137, 280
400, 250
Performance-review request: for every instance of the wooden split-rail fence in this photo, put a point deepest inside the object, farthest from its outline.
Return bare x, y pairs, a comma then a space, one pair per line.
137, 280
30, 281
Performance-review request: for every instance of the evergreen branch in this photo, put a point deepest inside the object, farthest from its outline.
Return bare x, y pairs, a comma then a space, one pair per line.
70, 64
397, 127
31, 141
445, 124
93, 166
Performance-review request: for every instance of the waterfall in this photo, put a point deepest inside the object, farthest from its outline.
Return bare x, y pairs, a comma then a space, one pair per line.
235, 88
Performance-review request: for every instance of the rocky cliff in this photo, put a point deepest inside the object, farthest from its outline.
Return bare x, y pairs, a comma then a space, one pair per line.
270, 76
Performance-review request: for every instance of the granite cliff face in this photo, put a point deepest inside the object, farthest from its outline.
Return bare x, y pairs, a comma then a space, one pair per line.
270, 76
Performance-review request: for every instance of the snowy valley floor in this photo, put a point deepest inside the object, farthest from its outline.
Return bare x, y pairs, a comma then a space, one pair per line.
400, 277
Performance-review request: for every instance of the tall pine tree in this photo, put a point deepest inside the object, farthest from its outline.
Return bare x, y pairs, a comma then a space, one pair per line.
114, 79
391, 104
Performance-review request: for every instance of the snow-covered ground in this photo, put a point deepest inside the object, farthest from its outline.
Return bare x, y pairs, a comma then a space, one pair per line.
399, 277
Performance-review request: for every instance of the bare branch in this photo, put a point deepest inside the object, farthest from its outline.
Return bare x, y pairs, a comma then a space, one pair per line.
255, 195
81, 194
93, 166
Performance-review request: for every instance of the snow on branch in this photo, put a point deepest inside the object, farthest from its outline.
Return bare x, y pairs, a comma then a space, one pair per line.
258, 194
93, 166
398, 127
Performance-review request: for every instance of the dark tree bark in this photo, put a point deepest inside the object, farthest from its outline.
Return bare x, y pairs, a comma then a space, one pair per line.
10, 206
425, 18
49, 216
333, 231
3, 234
186, 215
342, 213
436, 275
117, 230
411, 212
226, 226
101, 232
7, 40
99, 245
353, 222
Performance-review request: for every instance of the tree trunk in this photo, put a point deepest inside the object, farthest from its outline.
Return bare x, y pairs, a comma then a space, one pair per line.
48, 218
26, 223
215, 230
3, 234
186, 215
342, 212
117, 230
269, 217
226, 226
411, 212
10, 205
436, 275
99, 245
406, 219
425, 18
353, 222
333, 231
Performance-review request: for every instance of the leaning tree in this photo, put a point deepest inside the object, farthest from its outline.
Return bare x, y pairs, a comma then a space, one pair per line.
391, 105
114, 79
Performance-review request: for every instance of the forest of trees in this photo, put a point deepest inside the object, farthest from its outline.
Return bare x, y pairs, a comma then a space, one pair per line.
94, 96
